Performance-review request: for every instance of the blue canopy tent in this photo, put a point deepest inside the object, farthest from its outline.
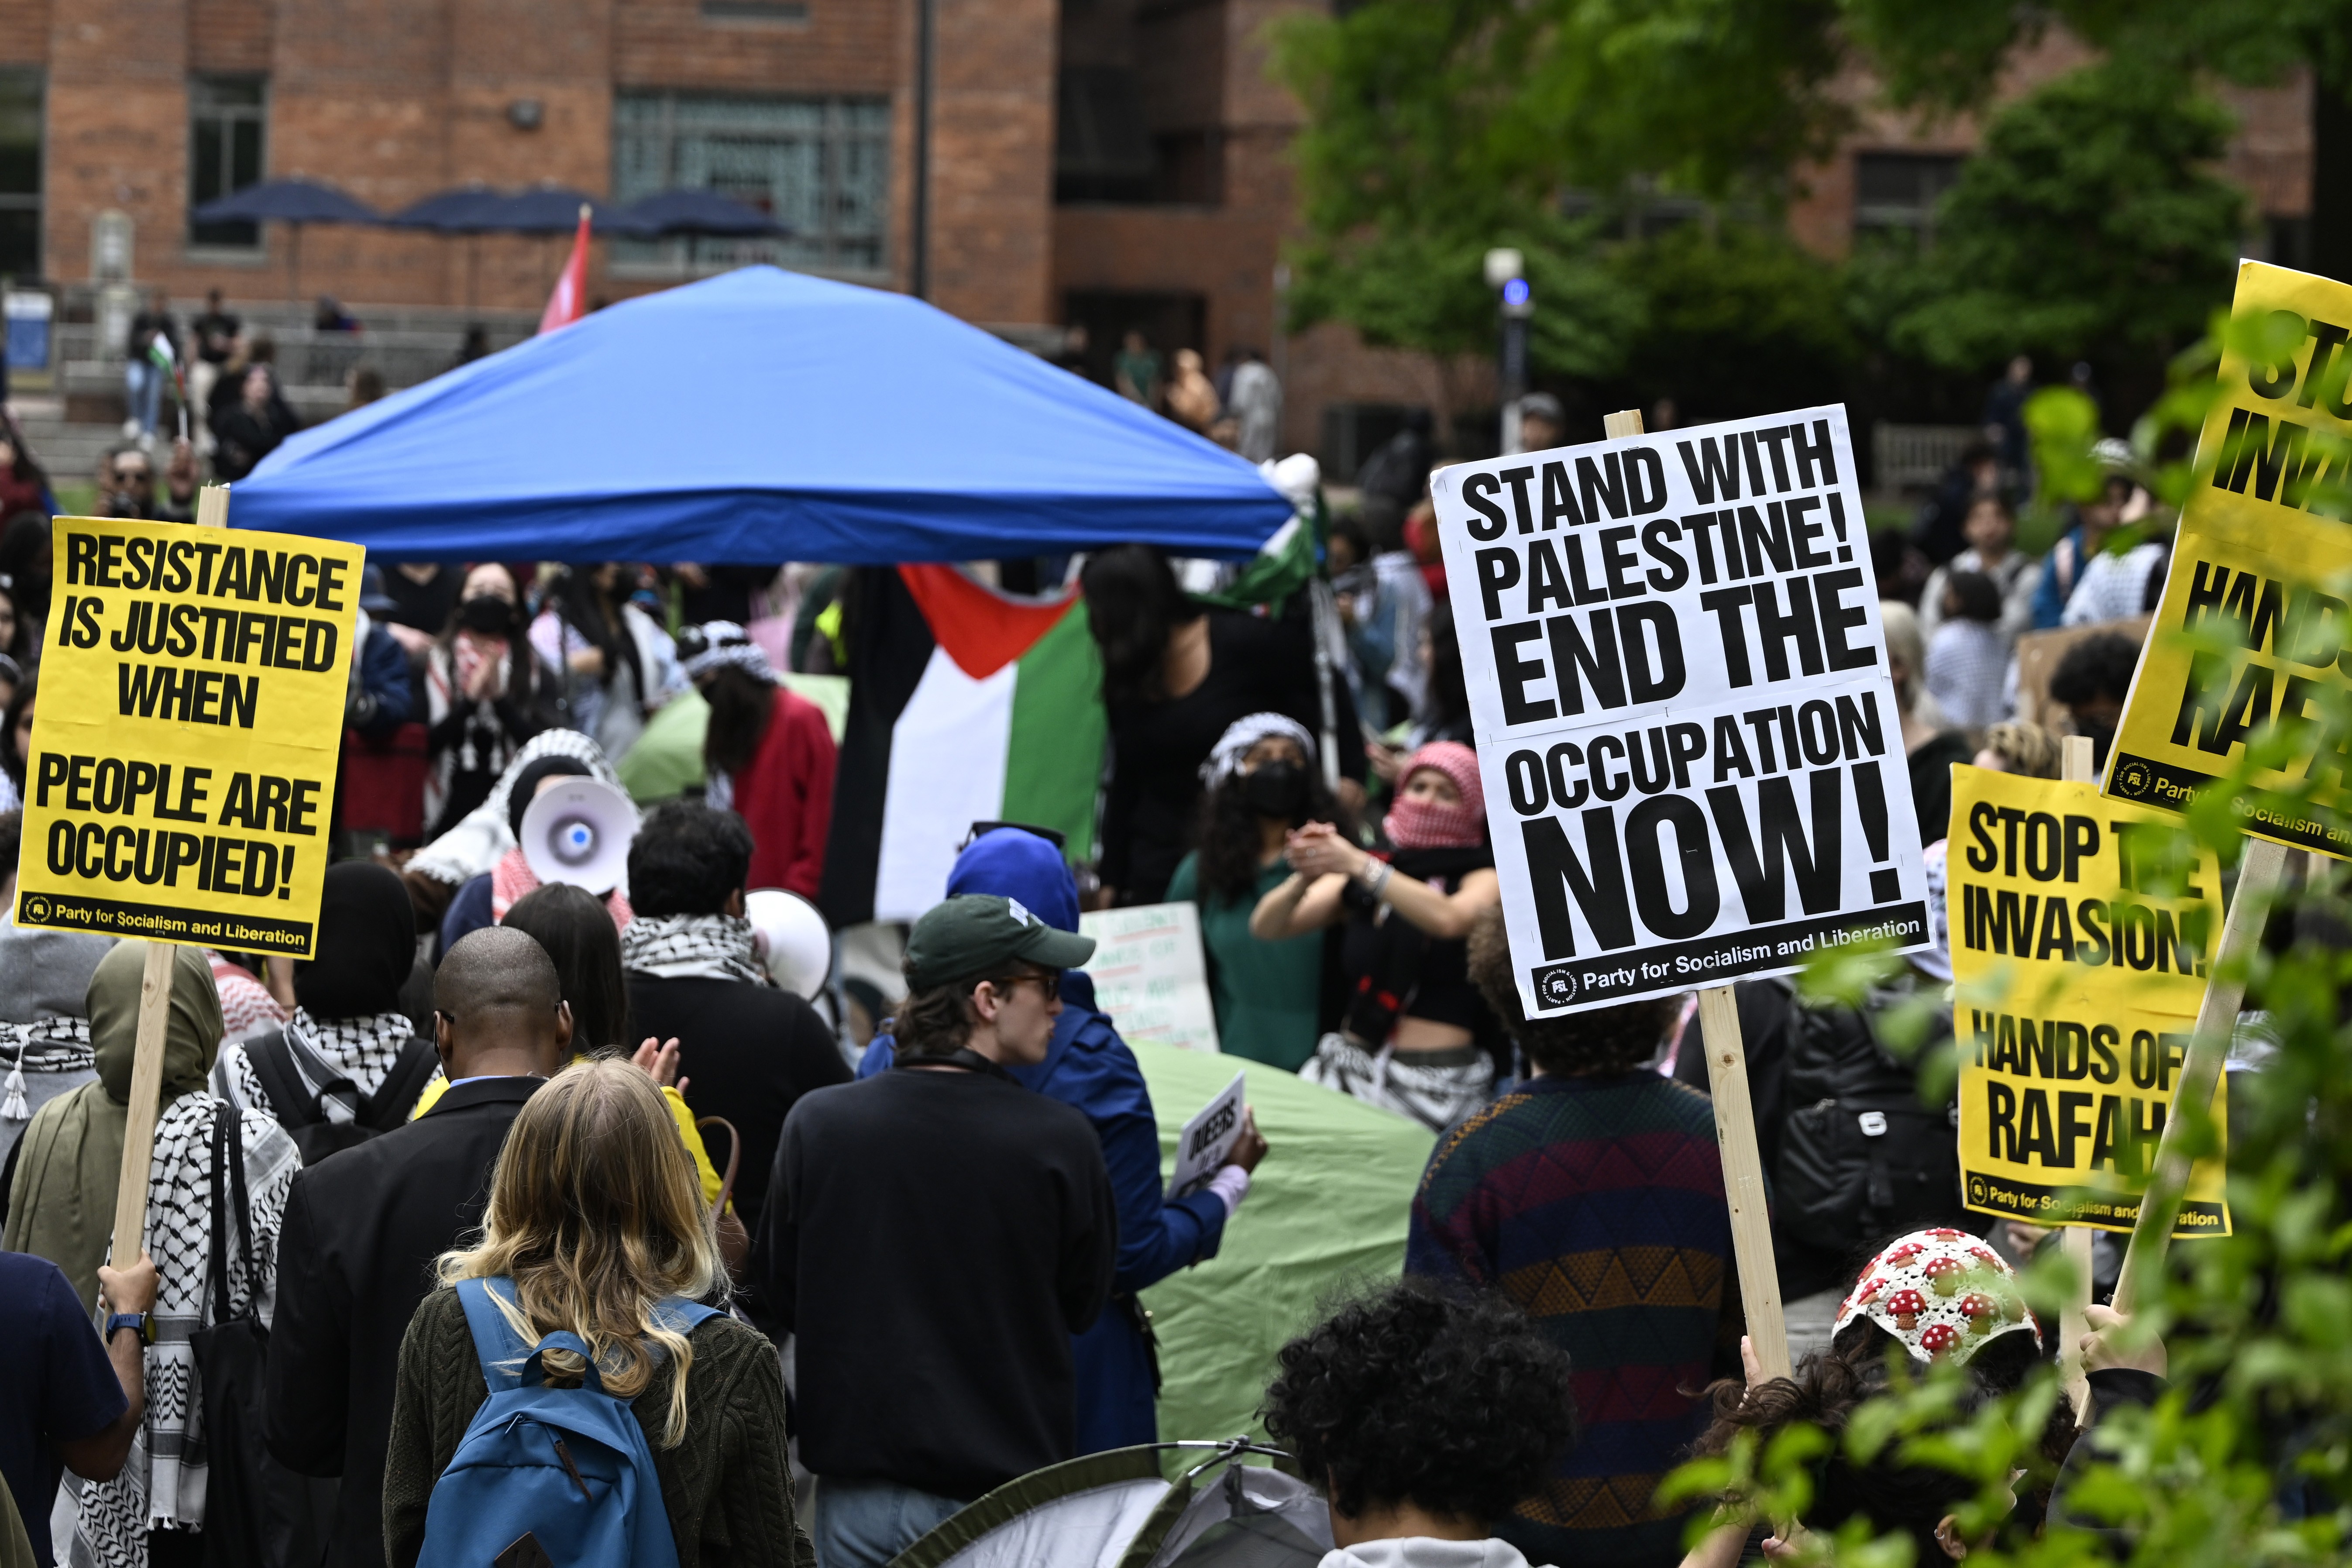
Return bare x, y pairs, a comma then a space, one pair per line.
759, 416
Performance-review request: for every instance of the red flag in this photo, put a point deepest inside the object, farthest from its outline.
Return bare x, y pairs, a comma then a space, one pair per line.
565, 306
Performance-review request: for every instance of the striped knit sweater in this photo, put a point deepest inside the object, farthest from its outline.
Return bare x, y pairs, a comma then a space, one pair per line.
1597, 1203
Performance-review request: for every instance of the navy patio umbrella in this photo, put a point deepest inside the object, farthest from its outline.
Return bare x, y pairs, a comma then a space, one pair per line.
666, 212
292, 203
468, 209
759, 416
547, 209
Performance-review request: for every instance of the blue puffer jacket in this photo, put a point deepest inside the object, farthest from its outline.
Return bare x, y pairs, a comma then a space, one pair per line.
1089, 1067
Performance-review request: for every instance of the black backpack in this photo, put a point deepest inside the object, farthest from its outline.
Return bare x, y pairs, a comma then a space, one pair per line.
335, 1115
1861, 1157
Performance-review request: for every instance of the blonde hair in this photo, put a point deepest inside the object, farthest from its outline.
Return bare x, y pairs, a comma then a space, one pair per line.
1906, 646
2031, 750
597, 1215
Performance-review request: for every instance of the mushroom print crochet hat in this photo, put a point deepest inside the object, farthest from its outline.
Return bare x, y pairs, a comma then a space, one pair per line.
1942, 1293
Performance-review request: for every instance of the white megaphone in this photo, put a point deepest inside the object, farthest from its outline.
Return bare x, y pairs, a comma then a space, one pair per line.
578, 831
794, 939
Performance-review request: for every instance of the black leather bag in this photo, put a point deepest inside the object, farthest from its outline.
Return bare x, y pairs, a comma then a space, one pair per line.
257, 1513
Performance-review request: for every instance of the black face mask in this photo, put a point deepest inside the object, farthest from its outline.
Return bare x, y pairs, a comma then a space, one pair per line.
486, 612
1276, 789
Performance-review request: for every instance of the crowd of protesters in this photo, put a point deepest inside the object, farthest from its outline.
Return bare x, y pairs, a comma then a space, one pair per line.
586, 1129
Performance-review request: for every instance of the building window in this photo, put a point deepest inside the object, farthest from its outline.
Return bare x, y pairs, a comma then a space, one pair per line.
1896, 193
820, 166
20, 173
228, 118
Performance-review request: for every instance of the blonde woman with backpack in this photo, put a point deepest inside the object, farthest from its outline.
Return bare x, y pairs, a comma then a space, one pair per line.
665, 1441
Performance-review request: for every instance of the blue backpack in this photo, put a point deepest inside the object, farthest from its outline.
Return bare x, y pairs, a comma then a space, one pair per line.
547, 1476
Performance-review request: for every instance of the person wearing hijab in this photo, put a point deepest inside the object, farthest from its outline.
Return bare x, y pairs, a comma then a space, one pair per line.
1417, 1039
1262, 782
1088, 1066
347, 1017
61, 1206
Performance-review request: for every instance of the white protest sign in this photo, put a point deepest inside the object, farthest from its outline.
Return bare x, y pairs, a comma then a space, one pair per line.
1693, 758
1206, 1139
1150, 977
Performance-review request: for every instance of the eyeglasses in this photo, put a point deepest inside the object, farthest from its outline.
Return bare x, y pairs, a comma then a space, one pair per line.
1048, 983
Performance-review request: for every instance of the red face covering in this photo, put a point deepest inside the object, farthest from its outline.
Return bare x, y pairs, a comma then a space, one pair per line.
1427, 824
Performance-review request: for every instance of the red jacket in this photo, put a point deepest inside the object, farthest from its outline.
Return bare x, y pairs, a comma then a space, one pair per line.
784, 795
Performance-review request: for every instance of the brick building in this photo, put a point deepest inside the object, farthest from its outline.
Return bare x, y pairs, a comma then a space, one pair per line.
1109, 162
1106, 163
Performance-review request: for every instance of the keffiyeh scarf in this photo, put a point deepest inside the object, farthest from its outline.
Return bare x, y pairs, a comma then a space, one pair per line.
684, 947
247, 1006
1436, 1088
163, 1482
362, 1050
45, 1044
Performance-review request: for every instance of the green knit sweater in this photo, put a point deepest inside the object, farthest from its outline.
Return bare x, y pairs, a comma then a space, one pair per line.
725, 1487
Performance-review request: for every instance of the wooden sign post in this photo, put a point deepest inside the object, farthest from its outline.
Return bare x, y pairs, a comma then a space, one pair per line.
2074, 1240
2217, 1019
1735, 1130
146, 1090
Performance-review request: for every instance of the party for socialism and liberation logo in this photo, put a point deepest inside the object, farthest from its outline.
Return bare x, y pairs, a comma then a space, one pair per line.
2132, 778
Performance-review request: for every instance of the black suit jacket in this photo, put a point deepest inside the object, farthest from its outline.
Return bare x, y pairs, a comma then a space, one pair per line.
355, 1257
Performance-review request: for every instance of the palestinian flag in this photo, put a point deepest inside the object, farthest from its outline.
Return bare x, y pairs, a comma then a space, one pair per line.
966, 705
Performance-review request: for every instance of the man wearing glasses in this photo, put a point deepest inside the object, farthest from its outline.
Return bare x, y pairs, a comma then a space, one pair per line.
934, 1235
126, 485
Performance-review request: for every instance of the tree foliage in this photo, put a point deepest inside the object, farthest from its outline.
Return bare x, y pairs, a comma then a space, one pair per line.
2090, 226
1738, 319
1439, 128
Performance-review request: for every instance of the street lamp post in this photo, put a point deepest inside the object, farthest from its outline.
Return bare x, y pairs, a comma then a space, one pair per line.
1506, 273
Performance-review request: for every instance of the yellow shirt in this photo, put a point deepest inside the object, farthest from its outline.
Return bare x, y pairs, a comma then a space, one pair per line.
688, 1131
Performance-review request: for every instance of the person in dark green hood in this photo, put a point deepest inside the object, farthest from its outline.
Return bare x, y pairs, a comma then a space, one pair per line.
61, 1204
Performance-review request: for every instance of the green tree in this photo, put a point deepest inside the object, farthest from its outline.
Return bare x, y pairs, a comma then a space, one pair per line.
2091, 227
1737, 319
1437, 128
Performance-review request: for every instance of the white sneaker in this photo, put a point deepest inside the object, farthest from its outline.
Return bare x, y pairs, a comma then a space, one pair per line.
130, 428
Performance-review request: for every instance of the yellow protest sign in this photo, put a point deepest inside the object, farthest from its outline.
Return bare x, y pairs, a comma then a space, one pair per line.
2081, 930
2254, 619
182, 763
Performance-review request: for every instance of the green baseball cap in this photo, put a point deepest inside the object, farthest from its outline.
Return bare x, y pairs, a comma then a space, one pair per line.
974, 936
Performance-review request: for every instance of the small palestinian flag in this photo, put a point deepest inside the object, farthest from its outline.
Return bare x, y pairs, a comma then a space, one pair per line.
966, 705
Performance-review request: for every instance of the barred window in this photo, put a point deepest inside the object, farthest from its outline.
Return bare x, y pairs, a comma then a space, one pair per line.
820, 166
20, 173
1896, 193
229, 121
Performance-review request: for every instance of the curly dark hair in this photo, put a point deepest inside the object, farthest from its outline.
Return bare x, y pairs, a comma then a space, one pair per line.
1426, 1395
686, 860
1229, 840
1605, 1040
2097, 666
1891, 1494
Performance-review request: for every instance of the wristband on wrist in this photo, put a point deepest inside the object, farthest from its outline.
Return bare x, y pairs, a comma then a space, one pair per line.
140, 1323
1375, 878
